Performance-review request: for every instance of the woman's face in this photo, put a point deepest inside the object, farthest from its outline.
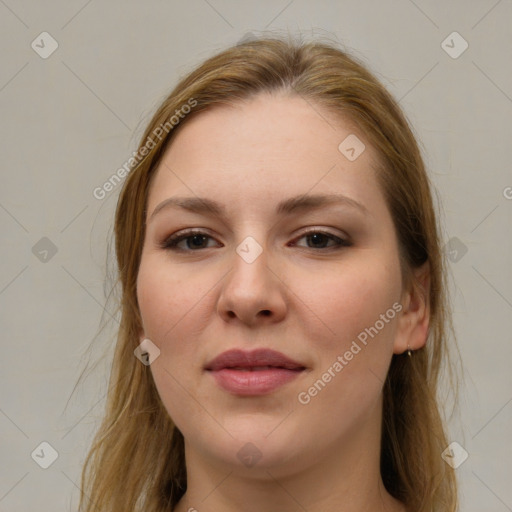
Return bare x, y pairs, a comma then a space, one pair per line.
274, 267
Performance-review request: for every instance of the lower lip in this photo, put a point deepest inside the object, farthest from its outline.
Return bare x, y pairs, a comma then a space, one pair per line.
251, 383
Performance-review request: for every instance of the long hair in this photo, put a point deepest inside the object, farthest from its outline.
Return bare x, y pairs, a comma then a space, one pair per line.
136, 461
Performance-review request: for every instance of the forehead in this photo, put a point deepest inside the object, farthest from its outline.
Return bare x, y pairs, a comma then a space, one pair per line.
270, 118
272, 145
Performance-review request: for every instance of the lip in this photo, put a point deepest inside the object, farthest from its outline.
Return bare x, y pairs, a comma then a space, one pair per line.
257, 372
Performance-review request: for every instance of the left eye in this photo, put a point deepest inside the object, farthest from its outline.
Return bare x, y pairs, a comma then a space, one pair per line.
196, 240
320, 238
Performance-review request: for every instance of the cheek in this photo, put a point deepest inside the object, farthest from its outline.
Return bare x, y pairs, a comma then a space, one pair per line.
169, 303
355, 351
154, 303
176, 308
164, 298
354, 340
351, 300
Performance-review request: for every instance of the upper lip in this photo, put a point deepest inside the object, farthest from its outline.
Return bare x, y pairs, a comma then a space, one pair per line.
237, 358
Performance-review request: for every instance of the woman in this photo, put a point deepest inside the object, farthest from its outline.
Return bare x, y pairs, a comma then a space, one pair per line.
284, 310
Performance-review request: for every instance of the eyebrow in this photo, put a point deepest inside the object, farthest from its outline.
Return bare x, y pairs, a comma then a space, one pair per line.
288, 206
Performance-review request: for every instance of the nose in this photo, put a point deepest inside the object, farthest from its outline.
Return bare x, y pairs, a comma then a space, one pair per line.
252, 293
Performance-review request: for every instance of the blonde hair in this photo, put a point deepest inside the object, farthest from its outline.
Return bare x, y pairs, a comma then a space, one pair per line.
136, 461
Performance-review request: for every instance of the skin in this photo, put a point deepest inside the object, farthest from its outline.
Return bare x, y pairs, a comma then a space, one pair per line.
297, 297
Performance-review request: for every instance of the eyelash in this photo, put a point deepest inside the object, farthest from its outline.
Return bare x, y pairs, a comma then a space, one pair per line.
171, 242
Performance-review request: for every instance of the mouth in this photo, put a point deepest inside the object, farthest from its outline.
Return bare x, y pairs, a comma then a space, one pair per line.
258, 372
258, 368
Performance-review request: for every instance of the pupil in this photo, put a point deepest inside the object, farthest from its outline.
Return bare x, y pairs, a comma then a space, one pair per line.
317, 237
199, 239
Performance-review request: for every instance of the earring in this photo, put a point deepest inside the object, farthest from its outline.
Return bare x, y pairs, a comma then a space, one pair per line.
408, 350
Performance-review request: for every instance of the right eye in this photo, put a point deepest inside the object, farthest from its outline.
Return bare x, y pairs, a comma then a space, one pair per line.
194, 239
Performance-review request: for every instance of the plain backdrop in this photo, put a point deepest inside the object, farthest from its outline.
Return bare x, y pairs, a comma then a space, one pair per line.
71, 118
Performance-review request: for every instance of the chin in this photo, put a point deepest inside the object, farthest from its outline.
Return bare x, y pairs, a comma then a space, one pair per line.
255, 449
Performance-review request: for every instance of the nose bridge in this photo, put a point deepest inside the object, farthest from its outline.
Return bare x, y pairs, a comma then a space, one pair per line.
251, 289
250, 267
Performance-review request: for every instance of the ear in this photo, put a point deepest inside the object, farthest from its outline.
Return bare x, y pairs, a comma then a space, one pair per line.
414, 320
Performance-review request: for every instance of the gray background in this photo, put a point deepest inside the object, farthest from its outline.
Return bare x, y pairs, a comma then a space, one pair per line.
70, 120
